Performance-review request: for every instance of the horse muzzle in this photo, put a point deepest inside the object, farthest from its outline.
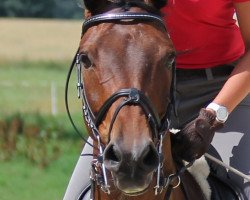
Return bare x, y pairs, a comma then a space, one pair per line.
132, 167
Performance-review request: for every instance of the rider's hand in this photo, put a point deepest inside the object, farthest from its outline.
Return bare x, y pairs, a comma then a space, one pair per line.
194, 139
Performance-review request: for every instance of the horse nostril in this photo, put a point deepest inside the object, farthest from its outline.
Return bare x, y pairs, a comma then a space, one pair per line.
112, 156
150, 159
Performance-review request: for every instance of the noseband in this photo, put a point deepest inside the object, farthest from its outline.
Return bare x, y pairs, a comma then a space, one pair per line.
131, 96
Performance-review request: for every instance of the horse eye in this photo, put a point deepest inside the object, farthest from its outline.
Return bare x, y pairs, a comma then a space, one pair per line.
170, 60
85, 61
170, 63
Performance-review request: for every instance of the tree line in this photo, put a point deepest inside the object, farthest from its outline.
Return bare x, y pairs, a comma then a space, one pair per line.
41, 8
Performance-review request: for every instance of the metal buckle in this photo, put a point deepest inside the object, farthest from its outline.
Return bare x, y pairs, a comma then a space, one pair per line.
170, 179
79, 85
104, 186
159, 187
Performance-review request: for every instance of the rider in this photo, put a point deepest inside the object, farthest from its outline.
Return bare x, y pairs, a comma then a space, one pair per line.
213, 72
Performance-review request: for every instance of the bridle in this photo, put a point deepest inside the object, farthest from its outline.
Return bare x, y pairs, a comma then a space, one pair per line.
130, 96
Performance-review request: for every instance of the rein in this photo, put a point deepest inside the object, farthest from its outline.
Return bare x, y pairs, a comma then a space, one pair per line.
131, 96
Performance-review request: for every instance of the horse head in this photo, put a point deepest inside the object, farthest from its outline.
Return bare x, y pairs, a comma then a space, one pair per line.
126, 57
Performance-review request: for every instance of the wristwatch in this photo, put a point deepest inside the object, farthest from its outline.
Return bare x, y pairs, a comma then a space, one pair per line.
220, 111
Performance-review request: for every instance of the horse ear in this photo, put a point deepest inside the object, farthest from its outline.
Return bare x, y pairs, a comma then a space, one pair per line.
158, 3
95, 6
90, 5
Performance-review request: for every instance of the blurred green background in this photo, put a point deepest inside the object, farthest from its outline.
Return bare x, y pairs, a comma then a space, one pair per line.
38, 147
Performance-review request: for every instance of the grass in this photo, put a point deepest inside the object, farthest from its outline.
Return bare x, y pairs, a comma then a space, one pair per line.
20, 180
34, 55
26, 87
38, 39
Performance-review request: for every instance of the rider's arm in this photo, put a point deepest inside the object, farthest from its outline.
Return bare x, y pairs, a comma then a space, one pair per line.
237, 86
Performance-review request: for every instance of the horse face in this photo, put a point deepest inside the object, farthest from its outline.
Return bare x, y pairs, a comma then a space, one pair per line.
128, 55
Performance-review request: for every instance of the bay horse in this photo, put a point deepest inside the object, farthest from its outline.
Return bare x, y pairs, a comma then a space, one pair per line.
125, 66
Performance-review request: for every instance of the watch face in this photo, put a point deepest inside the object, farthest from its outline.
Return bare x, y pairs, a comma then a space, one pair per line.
222, 114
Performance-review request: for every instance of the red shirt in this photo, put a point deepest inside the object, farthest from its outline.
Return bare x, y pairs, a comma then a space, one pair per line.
204, 32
